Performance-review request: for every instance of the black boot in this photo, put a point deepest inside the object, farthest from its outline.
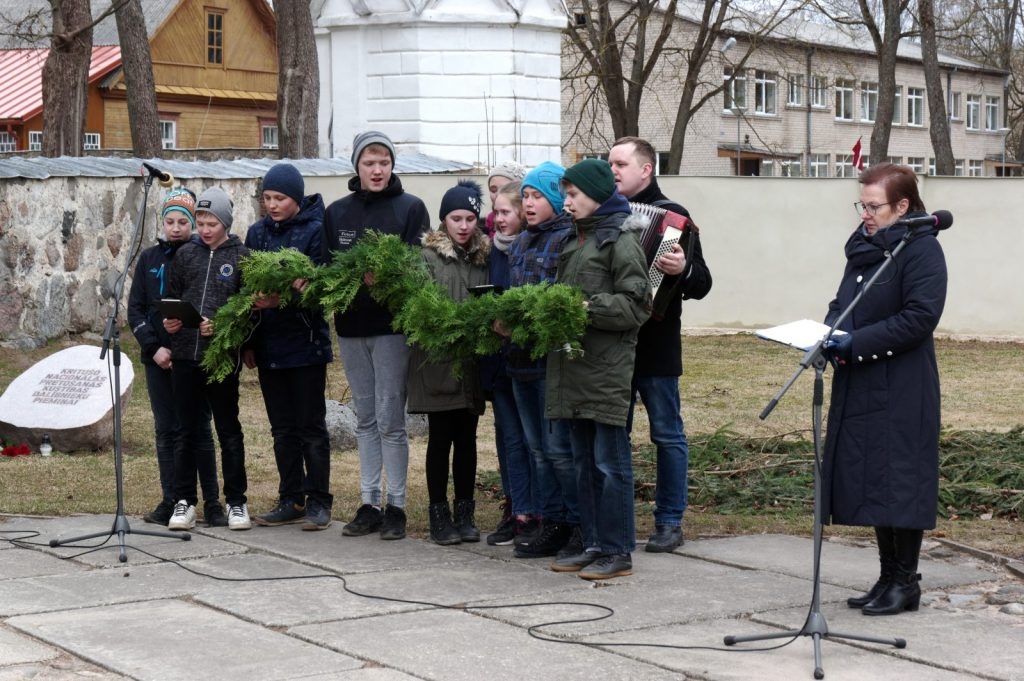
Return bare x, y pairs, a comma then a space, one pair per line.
442, 531
464, 521
904, 592
887, 561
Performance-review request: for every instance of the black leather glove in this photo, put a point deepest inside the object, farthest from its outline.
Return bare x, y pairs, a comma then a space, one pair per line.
839, 349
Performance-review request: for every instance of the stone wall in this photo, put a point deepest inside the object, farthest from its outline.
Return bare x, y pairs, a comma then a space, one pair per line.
64, 241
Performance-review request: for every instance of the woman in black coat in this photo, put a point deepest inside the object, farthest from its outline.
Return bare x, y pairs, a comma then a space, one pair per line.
881, 462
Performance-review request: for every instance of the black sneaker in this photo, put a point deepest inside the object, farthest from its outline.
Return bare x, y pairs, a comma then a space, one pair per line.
608, 566
160, 515
393, 524
318, 517
666, 538
526, 530
285, 513
552, 538
367, 521
504, 534
574, 562
213, 514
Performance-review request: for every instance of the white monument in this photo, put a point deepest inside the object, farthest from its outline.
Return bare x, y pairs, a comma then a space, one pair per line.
66, 395
476, 81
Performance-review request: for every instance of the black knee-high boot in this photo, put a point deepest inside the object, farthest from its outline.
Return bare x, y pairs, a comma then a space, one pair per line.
904, 592
887, 566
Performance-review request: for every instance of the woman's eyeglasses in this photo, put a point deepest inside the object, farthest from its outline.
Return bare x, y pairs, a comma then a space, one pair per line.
870, 208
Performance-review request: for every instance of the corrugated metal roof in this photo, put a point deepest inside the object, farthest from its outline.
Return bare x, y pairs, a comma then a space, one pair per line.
40, 168
21, 78
104, 33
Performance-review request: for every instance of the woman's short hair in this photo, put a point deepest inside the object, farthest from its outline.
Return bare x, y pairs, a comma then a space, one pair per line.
899, 182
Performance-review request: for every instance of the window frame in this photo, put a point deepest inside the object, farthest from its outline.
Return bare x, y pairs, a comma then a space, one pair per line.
736, 86
992, 117
973, 119
214, 36
35, 140
86, 146
844, 90
915, 107
868, 102
766, 92
795, 90
173, 140
818, 92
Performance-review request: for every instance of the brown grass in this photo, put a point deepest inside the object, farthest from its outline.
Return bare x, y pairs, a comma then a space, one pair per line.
728, 380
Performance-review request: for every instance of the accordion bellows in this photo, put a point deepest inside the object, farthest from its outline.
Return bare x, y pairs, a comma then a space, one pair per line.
663, 230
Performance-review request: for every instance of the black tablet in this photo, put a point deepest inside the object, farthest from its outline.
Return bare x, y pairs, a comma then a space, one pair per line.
172, 308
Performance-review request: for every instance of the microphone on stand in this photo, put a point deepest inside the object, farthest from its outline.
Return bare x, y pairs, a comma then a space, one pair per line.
940, 219
166, 179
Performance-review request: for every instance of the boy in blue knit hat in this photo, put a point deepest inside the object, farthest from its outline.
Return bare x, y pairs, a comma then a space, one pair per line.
533, 259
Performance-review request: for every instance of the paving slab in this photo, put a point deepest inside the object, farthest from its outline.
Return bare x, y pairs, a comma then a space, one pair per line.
695, 591
95, 587
174, 640
962, 642
18, 649
33, 563
841, 564
742, 662
459, 646
64, 668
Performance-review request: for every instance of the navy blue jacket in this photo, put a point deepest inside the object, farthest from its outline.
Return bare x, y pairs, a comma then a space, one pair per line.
881, 460
291, 336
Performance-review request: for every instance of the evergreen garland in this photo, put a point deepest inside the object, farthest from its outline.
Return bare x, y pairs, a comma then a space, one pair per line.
542, 317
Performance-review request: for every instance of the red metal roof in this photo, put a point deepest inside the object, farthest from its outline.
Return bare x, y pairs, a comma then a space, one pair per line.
21, 78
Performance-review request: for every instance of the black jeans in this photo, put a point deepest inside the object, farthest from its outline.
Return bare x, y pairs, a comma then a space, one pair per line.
191, 389
451, 431
295, 406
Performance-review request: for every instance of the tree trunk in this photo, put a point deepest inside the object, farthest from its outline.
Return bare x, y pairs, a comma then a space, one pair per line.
938, 124
298, 85
886, 43
66, 78
143, 118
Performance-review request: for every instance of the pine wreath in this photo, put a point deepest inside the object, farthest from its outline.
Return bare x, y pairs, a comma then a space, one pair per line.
543, 317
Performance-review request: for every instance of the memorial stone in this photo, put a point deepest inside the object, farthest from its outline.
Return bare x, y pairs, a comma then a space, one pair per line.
66, 396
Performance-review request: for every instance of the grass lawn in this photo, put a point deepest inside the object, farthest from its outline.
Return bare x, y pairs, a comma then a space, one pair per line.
728, 380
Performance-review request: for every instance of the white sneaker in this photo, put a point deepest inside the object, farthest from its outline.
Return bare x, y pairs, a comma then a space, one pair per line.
183, 517
238, 517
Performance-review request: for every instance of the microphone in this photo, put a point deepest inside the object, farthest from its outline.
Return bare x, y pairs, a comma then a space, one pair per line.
166, 179
940, 219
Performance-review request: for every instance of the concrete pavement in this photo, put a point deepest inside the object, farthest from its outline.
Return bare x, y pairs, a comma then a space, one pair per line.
279, 603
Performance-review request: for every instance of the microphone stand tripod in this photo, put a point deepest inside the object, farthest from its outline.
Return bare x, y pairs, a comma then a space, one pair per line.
815, 625
112, 332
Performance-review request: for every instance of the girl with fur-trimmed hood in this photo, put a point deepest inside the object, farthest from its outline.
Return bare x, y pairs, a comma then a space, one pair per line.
456, 256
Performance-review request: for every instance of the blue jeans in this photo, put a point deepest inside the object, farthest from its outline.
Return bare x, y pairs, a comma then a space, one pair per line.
660, 395
557, 498
165, 422
376, 368
604, 469
515, 461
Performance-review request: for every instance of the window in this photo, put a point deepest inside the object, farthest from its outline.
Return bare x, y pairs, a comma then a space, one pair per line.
974, 168
958, 167
817, 165
897, 106
868, 102
954, 106
169, 134
818, 94
915, 106
992, 113
916, 163
894, 159
844, 166
91, 141
931, 167
269, 136
662, 164
789, 168
765, 88
35, 140
8, 142
735, 90
973, 112
844, 100
214, 37
795, 92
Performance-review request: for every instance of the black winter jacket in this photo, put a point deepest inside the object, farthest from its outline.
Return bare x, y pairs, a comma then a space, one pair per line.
149, 285
659, 348
291, 336
206, 279
881, 460
391, 211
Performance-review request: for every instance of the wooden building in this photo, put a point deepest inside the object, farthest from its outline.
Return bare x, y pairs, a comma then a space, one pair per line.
214, 65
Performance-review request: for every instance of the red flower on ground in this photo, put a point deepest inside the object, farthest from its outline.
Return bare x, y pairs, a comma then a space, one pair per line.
16, 450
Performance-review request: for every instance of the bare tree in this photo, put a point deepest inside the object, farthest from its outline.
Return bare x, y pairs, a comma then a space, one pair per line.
137, 62
620, 47
66, 78
939, 122
298, 85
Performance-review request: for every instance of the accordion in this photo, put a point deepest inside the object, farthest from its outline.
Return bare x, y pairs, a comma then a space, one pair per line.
663, 230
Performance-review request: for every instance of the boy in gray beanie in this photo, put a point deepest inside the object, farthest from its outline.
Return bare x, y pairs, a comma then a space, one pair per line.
375, 358
216, 201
